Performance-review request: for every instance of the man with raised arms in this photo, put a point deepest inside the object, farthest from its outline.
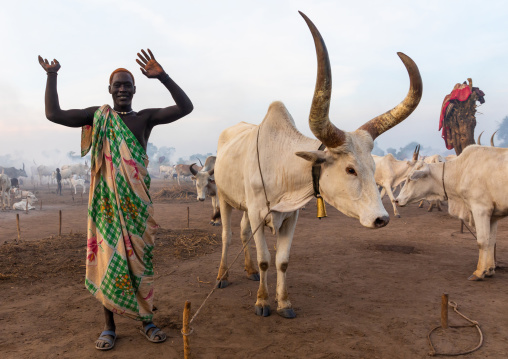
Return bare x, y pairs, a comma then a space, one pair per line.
120, 227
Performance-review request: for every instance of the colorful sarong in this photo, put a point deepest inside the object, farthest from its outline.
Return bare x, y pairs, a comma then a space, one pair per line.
121, 228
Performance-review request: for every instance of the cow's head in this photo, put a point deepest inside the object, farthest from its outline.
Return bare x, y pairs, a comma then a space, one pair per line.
420, 184
347, 167
203, 181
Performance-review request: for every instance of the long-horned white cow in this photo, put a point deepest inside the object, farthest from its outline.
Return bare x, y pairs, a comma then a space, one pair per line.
266, 171
205, 185
166, 171
471, 187
390, 172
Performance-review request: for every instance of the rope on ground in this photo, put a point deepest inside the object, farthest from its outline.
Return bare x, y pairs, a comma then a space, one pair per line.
262, 223
474, 323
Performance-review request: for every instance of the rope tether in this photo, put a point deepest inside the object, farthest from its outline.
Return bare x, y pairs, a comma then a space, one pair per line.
474, 323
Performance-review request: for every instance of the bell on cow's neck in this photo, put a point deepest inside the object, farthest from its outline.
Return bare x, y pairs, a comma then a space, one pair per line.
321, 210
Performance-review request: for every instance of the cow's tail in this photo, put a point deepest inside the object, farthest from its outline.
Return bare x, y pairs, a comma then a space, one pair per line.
216, 215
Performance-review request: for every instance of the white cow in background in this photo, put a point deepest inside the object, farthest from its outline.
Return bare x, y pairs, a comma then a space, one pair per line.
391, 172
474, 183
5, 188
45, 172
22, 205
166, 171
433, 159
286, 158
205, 185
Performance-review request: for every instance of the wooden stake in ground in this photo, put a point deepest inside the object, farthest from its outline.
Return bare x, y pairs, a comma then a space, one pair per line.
185, 330
17, 224
188, 217
41, 205
60, 225
444, 311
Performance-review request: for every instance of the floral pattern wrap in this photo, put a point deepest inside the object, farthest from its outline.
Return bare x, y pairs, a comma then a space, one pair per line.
120, 228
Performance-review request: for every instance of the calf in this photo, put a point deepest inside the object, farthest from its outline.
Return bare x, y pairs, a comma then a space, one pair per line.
78, 182
205, 185
473, 184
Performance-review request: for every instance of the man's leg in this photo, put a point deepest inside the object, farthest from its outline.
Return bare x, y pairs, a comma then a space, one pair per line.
110, 325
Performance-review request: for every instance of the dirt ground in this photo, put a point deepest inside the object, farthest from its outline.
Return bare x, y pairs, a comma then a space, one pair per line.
357, 292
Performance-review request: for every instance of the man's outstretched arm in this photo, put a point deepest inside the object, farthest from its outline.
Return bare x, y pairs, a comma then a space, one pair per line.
70, 118
151, 69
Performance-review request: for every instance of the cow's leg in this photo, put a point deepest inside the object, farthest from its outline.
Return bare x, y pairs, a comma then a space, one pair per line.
390, 194
226, 210
421, 204
383, 192
284, 241
215, 202
262, 306
438, 205
245, 234
432, 203
482, 221
491, 259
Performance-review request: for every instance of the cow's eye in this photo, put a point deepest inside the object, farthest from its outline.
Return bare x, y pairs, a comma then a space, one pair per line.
351, 171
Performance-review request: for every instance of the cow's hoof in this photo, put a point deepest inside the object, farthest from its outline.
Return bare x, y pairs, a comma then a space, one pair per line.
254, 277
216, 224
262, 311
222, 284
490, 272
398, 216
287, 313
473, 277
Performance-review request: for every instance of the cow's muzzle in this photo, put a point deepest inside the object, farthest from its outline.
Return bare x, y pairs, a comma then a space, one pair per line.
381, 221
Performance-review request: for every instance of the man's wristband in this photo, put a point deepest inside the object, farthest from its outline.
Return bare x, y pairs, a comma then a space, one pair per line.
164, 78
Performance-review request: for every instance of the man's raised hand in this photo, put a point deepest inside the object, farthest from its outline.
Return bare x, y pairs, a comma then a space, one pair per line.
52, 67
149, 66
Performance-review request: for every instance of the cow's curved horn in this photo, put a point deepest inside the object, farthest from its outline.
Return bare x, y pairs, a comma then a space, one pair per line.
201, 163
210, 173
193, 171
399, 113
492, 139
416, 153
319, 123
479, 138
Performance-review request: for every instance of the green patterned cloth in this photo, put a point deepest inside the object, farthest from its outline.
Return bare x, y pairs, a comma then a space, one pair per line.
121, 228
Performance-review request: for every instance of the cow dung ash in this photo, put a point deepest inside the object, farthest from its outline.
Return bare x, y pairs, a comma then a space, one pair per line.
176, 192
64, 257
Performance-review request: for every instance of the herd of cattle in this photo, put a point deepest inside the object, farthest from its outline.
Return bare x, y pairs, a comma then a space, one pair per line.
271, 170
10, 179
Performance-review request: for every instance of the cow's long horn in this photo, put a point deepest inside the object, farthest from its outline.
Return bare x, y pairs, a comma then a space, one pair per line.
201, 163
210, 173
193, 171
479, 138
399, 113
492, 139
319, 122
416, 153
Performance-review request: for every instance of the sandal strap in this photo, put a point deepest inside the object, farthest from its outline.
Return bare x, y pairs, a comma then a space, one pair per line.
107, 332
154, 333
147, 327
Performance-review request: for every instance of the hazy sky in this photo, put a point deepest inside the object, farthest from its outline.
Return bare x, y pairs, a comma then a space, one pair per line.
233, 58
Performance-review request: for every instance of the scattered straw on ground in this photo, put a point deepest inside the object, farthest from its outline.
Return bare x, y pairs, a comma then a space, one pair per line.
65, 256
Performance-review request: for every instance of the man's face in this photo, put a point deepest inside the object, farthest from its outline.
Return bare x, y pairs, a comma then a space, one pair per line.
122, 89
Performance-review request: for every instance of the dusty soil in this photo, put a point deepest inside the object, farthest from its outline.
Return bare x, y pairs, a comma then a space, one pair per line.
357, 293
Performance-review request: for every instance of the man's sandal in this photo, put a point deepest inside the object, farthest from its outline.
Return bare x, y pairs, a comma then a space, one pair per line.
152, 336
103, 337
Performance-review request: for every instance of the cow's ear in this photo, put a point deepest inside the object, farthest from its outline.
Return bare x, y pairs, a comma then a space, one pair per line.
416, 175
316, 157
